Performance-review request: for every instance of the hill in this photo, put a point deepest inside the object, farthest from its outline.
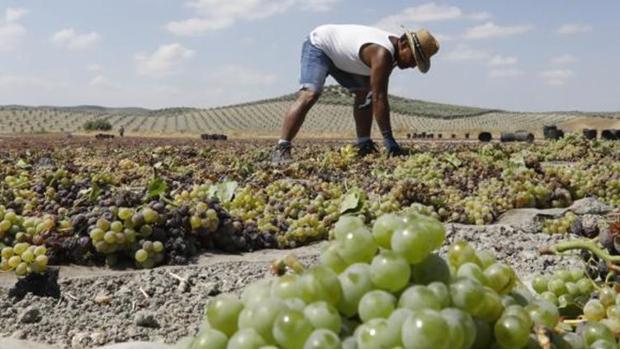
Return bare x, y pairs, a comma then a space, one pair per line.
331, 116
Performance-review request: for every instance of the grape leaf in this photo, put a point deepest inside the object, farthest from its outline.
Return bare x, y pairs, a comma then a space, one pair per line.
352, 202
453, 160
157, 187
23, 164
224, 191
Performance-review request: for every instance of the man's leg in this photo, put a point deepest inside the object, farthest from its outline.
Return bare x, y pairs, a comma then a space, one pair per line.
362, 112
297, 113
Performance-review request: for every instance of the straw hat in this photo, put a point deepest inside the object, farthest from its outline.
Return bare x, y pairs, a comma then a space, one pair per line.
423, 45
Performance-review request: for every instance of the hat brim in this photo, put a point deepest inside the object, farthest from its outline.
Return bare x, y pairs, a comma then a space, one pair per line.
424, 65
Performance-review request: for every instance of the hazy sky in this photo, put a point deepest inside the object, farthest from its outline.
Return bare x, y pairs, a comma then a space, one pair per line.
520, 55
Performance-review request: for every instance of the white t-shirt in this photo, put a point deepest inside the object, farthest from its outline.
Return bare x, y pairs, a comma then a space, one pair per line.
342, 43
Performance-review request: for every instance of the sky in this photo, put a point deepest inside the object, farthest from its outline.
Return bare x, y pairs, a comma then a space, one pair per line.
527, 55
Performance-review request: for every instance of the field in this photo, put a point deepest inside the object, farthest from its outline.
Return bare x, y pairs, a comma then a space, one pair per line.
146, 232
331, 117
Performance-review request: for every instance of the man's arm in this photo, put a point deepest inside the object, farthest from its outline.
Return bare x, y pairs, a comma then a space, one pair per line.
381, 65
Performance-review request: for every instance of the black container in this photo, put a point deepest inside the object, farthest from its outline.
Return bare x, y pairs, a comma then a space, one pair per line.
590, 133
484, 137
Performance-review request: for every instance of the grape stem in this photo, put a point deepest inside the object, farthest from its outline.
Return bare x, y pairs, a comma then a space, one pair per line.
581, 244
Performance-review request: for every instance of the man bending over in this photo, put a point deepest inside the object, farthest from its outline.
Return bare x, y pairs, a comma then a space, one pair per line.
361, 59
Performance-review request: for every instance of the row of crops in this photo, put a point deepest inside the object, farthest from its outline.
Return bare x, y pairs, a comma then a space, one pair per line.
332, 113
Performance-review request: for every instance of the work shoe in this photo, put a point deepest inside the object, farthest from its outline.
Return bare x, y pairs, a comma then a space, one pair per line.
281, 154
396, 151
367, 147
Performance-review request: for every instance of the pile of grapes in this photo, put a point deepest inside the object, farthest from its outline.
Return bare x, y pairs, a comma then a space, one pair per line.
163, 201
569, 222
385, 287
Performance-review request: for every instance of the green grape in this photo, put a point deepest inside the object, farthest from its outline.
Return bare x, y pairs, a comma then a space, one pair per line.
223, 313
103, 224
355, 282
285, 286
594, 310
158, 247
473, 272
295, 304
261, 317
594, 331
320, 283
349, 343
209, 339
7, 252
539, 284
466, 295
491, 307
389, 271
486, 258
141, 256
550, 297
543, 313
557, 286
14, 261
291, 329
462, 328
116, 226
323, 315
520, 312
246, 338
441, 292
612, 324
411, 243
384, 228
358, 246
125, 213
460, 253
150, 215
41, 260
323, 339
425, 330
607, 296
613, 312
511, 332
27, 256
256, 292
432, 268
21, 269
97, 234
434, 231
419, 298
20, 248
603, 344
573, 340
397, 319
345, 225
376, 304
572, 289
500, 278
585, 286
376, 333
576, 274
331, 258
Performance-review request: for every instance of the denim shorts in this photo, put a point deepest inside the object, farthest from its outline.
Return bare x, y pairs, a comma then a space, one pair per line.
316, 66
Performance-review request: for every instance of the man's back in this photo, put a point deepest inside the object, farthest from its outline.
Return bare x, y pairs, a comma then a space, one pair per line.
342, 43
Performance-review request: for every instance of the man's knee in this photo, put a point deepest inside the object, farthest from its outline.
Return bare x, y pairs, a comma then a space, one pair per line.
308, 97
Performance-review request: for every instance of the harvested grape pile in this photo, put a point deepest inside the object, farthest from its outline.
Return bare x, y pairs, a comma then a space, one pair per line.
147, 202
384, 287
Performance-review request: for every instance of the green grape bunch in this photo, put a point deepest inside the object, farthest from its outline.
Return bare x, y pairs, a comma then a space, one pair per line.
385, 286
